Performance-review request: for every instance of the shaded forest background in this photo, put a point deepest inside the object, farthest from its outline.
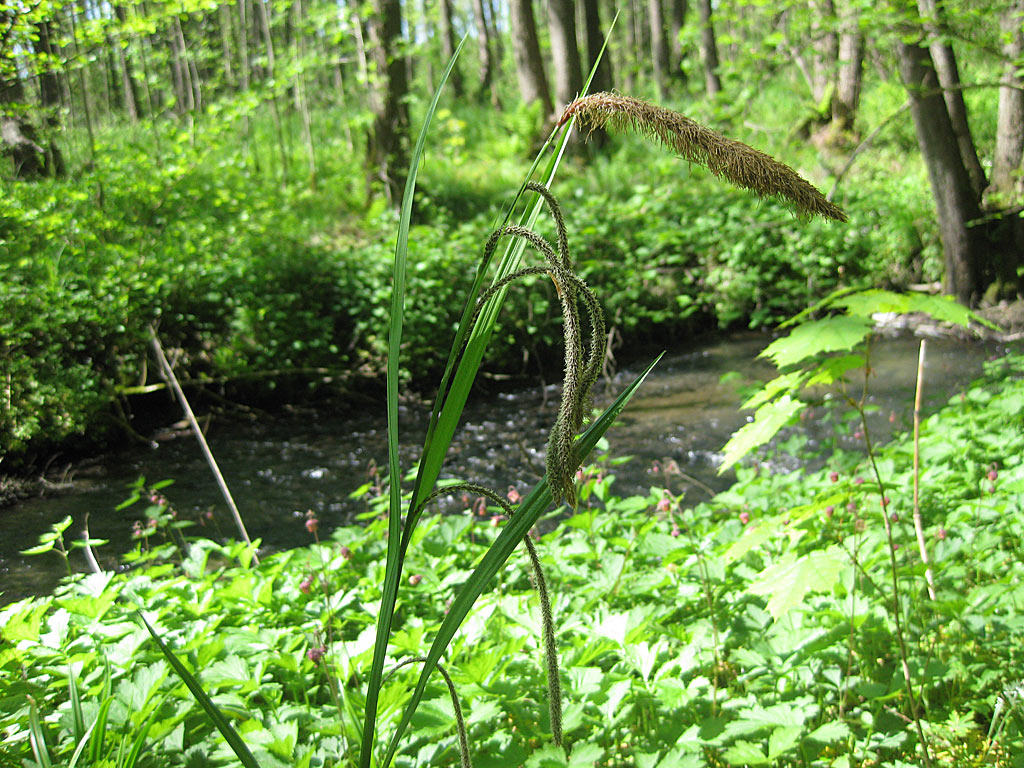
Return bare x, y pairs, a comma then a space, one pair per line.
225, 174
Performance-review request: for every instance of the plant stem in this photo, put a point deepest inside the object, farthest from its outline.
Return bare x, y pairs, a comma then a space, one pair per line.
918, 527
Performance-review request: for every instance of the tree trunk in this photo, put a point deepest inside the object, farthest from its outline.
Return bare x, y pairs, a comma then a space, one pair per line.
132, 103
963, 245
594, 35
627, 66
851, 72
386, 152
565, 53
448, 49
18, 137
677, 20
708, 49
949, 79
825, 48
659, 46
486, 85
49, 98
533, 83
1006, 164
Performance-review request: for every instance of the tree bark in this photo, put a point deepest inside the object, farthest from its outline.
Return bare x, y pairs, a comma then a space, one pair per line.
963, 245
594, 35
825, 53
1006, 163
448, 49
565, 52
948, 74
49, 98
486, 85
677, 20
386, 150
18, 137
659, 46
708, 49
132, 103
533, 83
849, 77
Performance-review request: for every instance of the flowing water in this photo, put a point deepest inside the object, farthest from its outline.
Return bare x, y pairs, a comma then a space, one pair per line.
281, 467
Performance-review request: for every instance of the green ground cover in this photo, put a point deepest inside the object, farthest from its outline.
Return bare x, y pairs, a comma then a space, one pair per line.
756, 628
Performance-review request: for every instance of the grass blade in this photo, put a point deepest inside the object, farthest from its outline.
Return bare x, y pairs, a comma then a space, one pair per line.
512, 534
393, 569
216, 716
140, 739
36, 735
99, 731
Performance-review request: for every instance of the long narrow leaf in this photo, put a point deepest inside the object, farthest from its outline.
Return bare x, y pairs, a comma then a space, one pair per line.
212, 711
36, 735
533, 506
99, 731
393, 569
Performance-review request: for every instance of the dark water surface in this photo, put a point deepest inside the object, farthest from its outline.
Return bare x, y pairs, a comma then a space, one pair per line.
280, 467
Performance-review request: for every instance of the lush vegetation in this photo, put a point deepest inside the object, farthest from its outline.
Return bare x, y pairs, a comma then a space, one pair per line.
754, 629
256, 285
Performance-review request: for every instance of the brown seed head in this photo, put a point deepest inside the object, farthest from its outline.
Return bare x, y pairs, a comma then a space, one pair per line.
727, 158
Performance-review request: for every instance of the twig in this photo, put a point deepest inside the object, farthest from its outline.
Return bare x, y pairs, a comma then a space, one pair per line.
168, 374
917, 473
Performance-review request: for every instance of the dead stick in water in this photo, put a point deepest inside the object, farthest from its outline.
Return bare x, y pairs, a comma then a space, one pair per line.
168, 374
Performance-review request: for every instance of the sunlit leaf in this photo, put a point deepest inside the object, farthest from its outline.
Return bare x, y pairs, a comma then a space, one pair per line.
829, 334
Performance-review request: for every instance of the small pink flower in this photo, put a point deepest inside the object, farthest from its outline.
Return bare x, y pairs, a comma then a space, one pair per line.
940, 534
833, 476
851, 506
346, 553
675, 531
496, 520
316, 654
858, 481
664, 505
415, 579
480, 506
744, 517
306, 585
513, 495
894, 518
892, 417
830, 510
858, 435
886, 501
993, 475
312, 524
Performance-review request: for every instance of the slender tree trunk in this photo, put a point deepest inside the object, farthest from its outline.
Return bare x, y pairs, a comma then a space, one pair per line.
228, 43
49, 98
627, 66
1006, 164
708, 49
956, 202
486, 85
533, 83
448, 48
18, 138
387, 153
851, 70
948, 73
594, 34
677, 20
659, 46
132, 104
825, 48
565, 53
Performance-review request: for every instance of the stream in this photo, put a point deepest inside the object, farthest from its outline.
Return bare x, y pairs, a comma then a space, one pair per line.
280, 467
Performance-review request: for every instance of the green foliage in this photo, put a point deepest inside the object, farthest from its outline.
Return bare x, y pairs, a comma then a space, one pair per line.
806, 357
645, 681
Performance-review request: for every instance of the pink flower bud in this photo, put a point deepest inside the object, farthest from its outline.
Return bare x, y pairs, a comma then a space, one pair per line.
415, 579
312, 524
306, 585
940, 534
833, 476
346, 553
744, 517
315, 654
993, 475
858, 481
513, 495
664, 505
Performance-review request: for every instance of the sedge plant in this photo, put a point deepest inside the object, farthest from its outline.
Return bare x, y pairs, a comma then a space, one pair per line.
567, 449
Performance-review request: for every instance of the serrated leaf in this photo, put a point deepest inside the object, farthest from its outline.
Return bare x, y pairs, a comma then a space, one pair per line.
787, 383
834, 369
830, 732
788, 581
871, 302
768, 420
782, 740
830, 334
745, 753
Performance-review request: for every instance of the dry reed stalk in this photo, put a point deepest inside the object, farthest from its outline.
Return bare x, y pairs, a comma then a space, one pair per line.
727, 158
